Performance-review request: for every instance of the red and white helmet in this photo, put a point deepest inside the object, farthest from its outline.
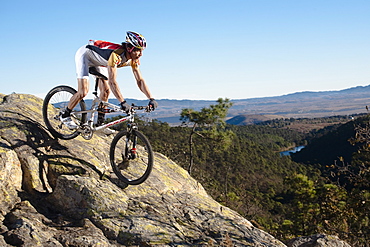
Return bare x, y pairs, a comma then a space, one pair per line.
136, 40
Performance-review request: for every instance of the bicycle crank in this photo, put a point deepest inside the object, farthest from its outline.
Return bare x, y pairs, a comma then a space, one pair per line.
86, 132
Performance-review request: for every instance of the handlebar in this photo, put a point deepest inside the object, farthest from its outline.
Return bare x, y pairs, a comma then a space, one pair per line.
146, 108
132, 109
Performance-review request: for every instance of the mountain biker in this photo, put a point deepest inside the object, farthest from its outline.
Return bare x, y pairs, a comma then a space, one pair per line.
106, 61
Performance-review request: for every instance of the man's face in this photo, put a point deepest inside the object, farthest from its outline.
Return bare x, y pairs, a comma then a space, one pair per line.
136, 53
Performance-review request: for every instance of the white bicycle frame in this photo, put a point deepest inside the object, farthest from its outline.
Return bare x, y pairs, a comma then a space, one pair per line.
94, 108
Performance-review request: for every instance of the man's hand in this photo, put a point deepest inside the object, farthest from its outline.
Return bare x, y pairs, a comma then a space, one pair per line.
153, 104
124, 106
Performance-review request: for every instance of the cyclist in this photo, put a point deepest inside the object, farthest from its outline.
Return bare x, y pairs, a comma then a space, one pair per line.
106, 61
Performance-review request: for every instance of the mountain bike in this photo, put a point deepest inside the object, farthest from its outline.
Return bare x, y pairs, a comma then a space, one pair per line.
130, 154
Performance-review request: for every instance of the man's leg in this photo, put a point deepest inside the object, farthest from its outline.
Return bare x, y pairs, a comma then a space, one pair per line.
104, 94
104, 89
83, 89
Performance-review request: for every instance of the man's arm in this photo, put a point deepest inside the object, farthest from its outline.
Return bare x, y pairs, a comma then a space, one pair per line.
112, 75
141, 83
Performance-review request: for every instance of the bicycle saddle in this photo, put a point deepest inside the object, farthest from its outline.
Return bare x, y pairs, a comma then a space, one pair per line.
94, 71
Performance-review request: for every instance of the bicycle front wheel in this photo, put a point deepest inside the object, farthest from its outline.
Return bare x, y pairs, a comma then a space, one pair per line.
131, 157
54, 104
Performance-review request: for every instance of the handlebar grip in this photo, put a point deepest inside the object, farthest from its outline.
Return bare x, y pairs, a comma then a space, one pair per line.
146, 108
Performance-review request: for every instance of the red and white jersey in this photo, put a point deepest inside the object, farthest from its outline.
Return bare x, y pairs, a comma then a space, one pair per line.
108, 45
104, 44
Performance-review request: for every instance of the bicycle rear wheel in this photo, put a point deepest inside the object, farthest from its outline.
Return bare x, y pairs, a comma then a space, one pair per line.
53, 106
131, 157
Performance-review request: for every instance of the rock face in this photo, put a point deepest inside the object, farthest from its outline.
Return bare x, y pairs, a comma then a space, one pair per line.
318, 240
63, 193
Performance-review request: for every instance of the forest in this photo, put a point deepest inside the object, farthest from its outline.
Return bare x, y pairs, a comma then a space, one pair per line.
324, 188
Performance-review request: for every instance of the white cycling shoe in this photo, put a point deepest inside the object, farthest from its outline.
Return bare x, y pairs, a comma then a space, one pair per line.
67, 121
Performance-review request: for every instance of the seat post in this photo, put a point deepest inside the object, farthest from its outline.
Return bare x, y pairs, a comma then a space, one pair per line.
93, 71
96, 86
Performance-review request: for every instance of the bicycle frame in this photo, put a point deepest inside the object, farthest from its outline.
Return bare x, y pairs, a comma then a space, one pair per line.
129, 117
88, 128
94, 108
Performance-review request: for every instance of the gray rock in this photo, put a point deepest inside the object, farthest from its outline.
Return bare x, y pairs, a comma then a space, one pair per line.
318, 240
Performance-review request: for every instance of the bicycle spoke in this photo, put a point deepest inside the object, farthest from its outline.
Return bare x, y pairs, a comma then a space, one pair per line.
131, 164
54, 104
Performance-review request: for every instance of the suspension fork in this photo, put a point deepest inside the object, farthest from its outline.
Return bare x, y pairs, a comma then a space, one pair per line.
130, 150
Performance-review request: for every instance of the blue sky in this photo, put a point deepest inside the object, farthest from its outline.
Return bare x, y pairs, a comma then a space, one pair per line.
197, 49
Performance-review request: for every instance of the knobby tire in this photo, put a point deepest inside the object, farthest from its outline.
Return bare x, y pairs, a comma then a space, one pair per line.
132, 171
54, 103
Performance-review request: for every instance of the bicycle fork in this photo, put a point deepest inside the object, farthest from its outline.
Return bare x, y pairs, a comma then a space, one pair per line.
130, 149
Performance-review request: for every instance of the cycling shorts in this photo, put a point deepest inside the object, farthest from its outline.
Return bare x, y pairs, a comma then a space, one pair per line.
86, 58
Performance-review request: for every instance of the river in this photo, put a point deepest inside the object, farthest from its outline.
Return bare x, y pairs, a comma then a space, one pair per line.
292, 151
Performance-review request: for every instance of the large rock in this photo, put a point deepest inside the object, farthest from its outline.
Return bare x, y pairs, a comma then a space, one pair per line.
63, 193
318, 240
10, 177
27, 227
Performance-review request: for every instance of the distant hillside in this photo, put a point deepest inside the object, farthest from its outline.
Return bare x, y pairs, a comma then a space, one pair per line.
295, 105
331, 146
246, 119
307, 104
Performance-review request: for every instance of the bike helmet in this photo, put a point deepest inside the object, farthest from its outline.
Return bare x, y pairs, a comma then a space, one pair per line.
136, 40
